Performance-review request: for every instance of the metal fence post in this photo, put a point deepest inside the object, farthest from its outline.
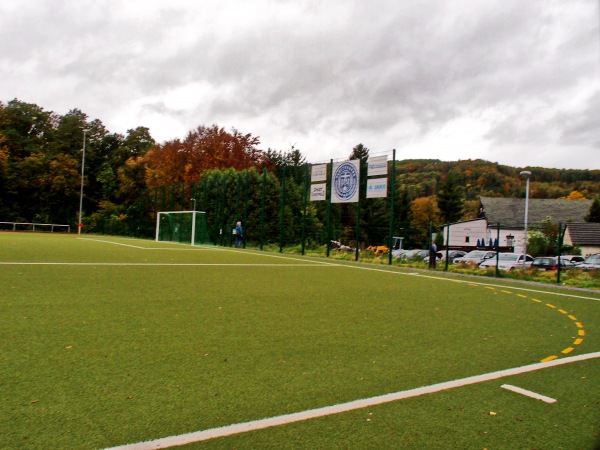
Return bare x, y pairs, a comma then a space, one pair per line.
447, 246
305, 206
330, 173
392, 199
262, 211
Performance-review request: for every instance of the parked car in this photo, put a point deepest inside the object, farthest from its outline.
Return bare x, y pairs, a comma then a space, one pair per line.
417, 254
452, 254
551, 263
398, 253
575, 259
591, 262
508, 261
475, 257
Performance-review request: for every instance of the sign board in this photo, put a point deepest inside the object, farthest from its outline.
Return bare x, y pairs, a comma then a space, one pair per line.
318, 173
345, 182
377, 166
318, 192
377, 187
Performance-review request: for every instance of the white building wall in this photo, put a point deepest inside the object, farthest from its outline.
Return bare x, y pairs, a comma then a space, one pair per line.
466, 234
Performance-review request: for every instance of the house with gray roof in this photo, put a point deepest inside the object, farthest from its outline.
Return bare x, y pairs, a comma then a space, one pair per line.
502, 220
585, 235
510, 212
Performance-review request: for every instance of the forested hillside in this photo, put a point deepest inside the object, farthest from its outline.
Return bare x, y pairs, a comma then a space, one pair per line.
41, 164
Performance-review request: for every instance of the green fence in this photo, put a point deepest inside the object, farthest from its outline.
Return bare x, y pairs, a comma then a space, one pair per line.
276, 211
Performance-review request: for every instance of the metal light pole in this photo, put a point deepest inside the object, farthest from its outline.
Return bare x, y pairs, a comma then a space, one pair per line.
80, 225
527, 174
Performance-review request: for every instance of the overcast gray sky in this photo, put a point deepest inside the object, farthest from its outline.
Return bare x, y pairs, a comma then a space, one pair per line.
512, 81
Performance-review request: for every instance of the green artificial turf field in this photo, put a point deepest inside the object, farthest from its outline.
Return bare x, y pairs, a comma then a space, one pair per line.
108, 341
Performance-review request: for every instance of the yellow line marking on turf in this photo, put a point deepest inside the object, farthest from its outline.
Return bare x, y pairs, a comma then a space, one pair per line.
487, 287
521, 295
572, 317
506, 292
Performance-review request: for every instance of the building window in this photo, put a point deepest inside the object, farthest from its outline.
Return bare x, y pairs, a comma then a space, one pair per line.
467, 239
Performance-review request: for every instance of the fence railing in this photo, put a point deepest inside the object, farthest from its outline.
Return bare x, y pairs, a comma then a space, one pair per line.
38, 227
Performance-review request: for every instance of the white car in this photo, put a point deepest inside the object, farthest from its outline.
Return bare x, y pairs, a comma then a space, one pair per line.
575, 259
475, 257
508, 261
592, 262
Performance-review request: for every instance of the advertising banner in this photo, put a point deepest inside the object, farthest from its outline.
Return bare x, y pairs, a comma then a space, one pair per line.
377, 166
318, 192
318, 173
377, 187
345, 182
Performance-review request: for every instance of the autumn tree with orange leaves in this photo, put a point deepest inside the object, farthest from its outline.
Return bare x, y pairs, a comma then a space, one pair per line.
205, 148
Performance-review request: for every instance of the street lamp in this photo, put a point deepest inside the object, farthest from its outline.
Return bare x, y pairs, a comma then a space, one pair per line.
526, 173
80, 225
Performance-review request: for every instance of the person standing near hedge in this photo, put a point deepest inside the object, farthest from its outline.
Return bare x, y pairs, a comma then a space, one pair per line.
239, 234
432, 255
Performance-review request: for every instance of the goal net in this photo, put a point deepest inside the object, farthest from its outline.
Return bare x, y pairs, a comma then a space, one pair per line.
187, 227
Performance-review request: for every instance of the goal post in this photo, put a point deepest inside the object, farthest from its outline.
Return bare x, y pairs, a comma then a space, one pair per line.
187, 227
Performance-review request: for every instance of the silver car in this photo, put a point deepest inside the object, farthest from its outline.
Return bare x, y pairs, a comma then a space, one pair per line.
591, 263
475, 257
508, 261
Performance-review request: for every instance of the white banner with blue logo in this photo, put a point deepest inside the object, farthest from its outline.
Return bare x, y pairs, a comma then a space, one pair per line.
345, 182
377, 187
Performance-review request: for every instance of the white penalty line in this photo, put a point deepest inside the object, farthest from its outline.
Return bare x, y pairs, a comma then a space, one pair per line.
527, 393
213, 433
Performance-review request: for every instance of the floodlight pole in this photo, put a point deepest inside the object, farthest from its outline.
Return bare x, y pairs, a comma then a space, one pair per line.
527, 174
80, 225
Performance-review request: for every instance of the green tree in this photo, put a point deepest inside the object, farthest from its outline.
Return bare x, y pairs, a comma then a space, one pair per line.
594, 213
450, 200
423, 212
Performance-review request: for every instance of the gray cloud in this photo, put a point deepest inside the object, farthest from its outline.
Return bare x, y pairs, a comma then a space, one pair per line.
384, 73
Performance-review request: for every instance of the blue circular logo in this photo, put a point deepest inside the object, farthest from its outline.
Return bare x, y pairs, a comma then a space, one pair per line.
345, 181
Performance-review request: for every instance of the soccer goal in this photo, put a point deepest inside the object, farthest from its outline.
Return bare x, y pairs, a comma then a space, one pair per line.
182, 226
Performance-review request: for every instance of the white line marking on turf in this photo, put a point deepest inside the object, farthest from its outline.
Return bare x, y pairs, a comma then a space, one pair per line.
390, 270
343, 407
531, 394
155, 264
111, 242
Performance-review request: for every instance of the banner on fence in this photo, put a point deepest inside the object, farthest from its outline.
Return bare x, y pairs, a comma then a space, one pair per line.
345, 182
377, 166
377, 187
318, 173
318, 192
